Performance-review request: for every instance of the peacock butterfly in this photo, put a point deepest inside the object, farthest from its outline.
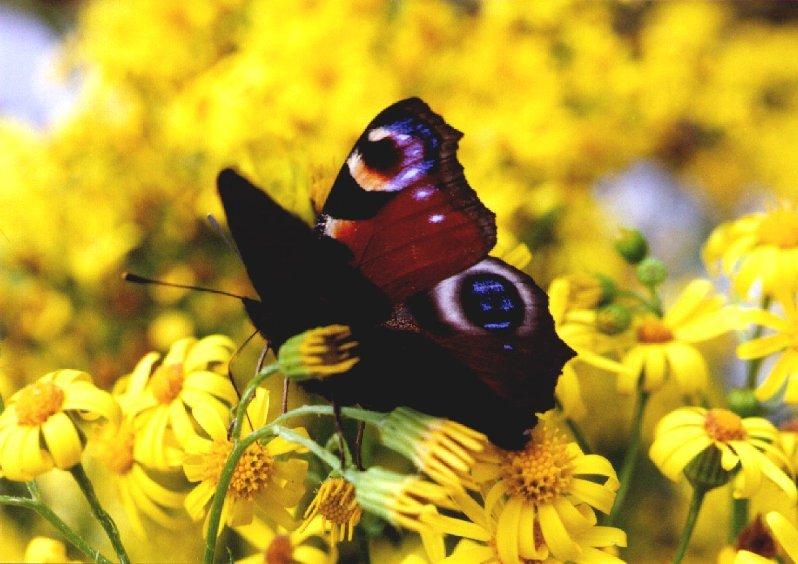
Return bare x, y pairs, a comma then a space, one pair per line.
400, 253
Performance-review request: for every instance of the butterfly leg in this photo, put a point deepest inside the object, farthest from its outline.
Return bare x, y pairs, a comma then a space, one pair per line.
358, 451
284, 404
339, 428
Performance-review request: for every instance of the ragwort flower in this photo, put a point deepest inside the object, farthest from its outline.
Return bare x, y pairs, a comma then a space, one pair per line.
261, 479
761, 247
666, 346
169, 398
138, 492
783, 340
335, 504
39, 428
444, 450
275, 545
550, 486
745, 444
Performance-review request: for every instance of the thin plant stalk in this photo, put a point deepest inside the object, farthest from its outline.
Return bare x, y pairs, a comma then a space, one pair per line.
632, 453
692, 516
72, 537
102, 516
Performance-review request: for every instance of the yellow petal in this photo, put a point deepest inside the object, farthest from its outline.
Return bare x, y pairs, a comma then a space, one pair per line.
507, 531
690, 298
763, 346
62, 439
785, 533
560, 543
211, 383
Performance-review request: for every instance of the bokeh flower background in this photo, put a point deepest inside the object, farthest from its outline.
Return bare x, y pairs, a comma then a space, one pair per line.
679, 119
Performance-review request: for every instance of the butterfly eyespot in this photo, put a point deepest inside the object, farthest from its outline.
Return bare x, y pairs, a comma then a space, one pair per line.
492, 302
491, 297
381, 155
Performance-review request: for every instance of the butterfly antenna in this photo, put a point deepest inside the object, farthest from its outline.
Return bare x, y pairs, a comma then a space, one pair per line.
136, 279
223, 235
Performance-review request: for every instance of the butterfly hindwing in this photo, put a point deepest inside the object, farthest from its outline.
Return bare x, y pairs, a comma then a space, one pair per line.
302, 280
402, 205
495, 319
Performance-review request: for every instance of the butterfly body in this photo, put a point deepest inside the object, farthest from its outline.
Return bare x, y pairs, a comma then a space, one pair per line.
399, 253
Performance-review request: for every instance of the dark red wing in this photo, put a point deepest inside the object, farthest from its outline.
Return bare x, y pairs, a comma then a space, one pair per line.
495, 320
402, 205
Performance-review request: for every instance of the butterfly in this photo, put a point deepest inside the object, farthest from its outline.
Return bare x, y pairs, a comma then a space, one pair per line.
399, 253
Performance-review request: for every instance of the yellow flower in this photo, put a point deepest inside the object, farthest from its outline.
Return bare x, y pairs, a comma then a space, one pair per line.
38, 429
138, 491
568, 392
744, 444
444, 450
785, 533
488, 540
336, 504
761, 247
665, 347
784, 340
261, 479
551, 485
169, 398
400, 499
318, 353
278, 545
44, 550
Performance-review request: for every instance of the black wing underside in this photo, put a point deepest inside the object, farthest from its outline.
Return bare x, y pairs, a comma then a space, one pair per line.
303, 281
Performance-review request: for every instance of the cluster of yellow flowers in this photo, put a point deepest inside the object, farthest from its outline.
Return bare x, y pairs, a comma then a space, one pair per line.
646, 345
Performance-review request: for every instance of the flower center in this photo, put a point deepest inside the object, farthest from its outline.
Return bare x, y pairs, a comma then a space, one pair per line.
723, 425
117, 452
167, 382
653, 330
279, 551
780, 228
337, 502
38, 401
542, 471
252, 472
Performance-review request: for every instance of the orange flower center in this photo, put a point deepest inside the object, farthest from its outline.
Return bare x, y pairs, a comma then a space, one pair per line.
116, 453
723, 425
653, 330
336, 502
279, 551
542, 471
250, 475
38, 401
780, 228
167, 382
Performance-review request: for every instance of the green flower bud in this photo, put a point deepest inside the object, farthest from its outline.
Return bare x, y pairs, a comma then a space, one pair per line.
705, 472
744, 403
613, 319
651, 271
632, 246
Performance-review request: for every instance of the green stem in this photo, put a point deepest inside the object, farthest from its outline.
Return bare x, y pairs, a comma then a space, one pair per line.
48, 515
577, 434
739, 520
654, 305
752, 367
630, 458
246, 398
689, 525
102, 516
